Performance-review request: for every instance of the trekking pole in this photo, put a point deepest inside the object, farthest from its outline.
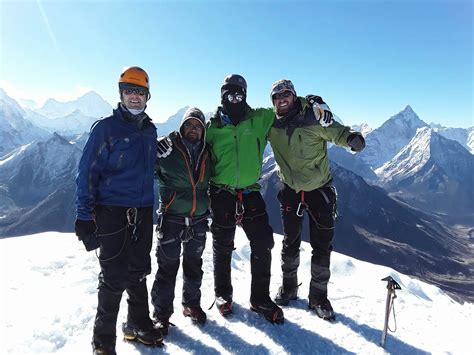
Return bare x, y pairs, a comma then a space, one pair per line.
392, 285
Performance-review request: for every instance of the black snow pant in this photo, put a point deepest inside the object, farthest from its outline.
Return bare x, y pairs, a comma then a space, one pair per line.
124, 261
259, 233
321, 209
174, 236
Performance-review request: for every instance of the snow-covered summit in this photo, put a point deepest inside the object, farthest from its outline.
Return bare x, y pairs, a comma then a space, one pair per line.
383, 143
63, 280
90, 104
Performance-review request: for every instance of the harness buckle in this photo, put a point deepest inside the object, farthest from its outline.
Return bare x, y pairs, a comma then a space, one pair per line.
187, 233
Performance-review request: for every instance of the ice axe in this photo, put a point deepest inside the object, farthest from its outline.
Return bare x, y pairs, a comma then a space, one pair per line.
392, 285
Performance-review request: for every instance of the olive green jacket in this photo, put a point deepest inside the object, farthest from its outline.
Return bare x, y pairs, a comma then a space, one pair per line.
300, 148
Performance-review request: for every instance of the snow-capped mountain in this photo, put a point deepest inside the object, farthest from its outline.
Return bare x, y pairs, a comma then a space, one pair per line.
374, 227
73, 123
90, 104
63, 279
383, 143
14, 129
464, 136
35, 174
436, 171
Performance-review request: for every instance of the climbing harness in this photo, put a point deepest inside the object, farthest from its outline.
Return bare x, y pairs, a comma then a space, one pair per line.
132, 223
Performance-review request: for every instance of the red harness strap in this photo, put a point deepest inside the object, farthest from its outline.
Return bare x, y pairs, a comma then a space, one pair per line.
302, 206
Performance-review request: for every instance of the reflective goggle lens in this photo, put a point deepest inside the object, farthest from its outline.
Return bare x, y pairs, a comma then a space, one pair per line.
139, 92
235, 97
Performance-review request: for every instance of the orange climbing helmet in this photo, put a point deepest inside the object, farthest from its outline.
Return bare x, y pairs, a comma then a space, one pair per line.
134, 76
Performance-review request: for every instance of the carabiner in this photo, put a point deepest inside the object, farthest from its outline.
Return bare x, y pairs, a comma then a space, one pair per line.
301, 208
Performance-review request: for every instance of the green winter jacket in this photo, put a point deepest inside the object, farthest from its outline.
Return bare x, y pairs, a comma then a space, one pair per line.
183, 192
300, 149
237, 151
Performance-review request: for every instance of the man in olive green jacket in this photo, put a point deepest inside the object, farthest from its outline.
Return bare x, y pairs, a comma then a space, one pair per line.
237, 135
299, 139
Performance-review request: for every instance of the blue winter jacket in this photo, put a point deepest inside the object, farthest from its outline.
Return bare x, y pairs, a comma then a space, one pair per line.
117, 165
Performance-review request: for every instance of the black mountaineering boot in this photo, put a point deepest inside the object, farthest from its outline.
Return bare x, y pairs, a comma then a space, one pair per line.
196, 314
224, 306
99, 349
163, 325
151, 336
323, 309
285, 295
269, 310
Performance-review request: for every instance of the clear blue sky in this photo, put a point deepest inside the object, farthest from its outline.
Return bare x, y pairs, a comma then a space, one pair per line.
368, 59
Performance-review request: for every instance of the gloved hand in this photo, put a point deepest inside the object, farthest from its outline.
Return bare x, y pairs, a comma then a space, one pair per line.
86, 232
322, 112
356, 141
164, 147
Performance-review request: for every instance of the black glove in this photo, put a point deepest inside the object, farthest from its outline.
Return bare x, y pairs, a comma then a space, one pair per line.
321, 110
164, 147
356, 141
86, 232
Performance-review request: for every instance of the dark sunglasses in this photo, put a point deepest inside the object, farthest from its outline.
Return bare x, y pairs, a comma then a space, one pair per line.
139, 92
281, 95
235, 97
189, 125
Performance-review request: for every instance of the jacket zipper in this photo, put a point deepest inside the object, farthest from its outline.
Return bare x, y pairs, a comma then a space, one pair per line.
190, 174
236, 142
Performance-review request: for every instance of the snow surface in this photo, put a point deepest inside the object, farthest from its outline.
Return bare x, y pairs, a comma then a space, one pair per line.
48, 301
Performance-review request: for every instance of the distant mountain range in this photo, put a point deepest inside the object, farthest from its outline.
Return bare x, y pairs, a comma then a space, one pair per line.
90, 104
14, 129
374, 227
406, 201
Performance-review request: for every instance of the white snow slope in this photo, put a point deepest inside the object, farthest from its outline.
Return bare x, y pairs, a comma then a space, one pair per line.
48, 300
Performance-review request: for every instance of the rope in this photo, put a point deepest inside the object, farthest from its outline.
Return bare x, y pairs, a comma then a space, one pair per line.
132, 215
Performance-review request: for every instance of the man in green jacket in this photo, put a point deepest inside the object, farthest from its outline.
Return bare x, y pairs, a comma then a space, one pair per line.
299, 139
183, 171
237, 135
